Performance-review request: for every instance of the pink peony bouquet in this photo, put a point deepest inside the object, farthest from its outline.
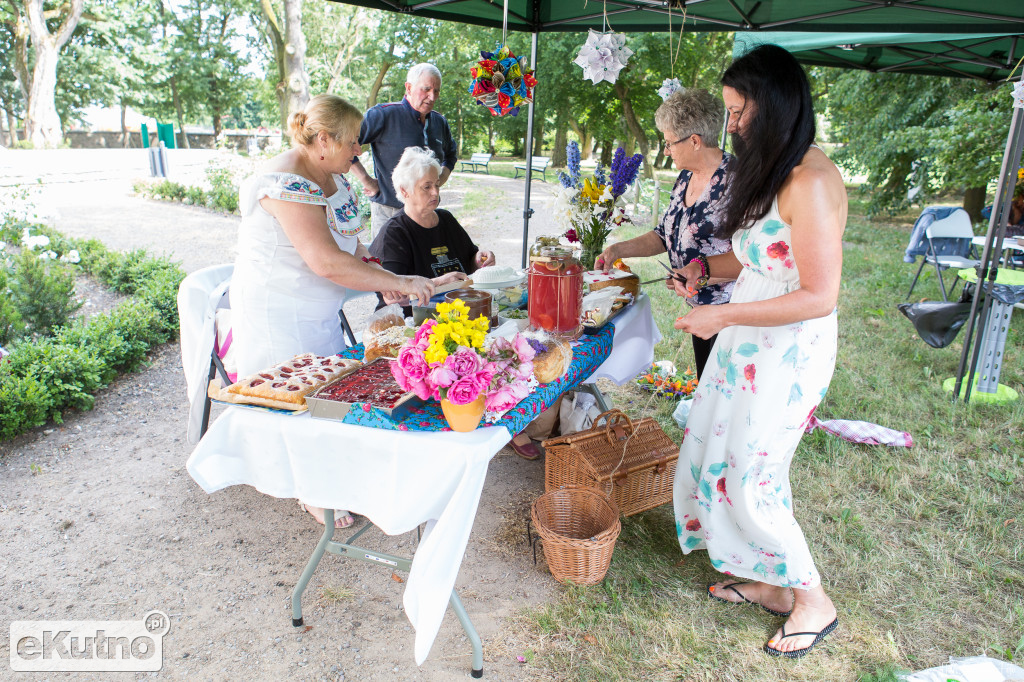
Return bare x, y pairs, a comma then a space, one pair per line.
448, 359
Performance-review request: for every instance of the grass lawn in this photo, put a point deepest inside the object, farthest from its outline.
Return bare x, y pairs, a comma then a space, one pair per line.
921, 549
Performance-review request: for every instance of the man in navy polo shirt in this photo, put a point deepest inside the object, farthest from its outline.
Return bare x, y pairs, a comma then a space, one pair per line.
390, 128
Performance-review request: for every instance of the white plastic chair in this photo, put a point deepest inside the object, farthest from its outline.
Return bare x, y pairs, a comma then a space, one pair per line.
200, 295
956, 232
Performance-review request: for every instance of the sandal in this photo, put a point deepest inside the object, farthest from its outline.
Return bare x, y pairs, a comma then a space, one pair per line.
342, 518
732, 586
800, 653
527, 450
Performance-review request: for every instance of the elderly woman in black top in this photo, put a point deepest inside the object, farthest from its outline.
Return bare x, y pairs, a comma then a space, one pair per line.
423, 239
690, 120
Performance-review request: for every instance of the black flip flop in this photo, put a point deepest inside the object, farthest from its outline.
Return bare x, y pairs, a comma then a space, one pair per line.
732, 586
800, 653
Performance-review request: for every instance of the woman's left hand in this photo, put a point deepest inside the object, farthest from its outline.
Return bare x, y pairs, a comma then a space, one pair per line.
704, 321
448, 278
484, 258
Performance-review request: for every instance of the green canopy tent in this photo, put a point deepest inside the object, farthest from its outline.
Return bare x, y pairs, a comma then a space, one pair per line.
986, 56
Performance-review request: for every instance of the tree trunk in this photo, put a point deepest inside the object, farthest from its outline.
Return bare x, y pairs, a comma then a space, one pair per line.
606, 153
126, 140
974, 200
42, 124
218, 126
12, 127
538, 137
558, 156
490, 136
378, 82
634, 126
181, 114
295, 56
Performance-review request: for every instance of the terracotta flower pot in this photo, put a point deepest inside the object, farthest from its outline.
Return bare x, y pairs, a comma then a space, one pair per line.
463, 417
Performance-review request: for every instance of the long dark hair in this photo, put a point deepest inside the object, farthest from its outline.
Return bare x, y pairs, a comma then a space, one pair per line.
777, 136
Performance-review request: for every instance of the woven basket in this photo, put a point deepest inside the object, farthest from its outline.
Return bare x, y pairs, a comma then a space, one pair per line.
579, 526
638, 479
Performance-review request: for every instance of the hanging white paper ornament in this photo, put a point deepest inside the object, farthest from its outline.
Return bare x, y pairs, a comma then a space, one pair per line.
1018, 95
669, 86
603, 56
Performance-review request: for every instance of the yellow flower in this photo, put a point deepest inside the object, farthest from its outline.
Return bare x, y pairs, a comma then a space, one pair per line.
592, 190
436, 353
1020, 174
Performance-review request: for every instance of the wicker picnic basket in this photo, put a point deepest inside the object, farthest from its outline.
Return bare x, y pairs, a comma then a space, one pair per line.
634, 462
578, 526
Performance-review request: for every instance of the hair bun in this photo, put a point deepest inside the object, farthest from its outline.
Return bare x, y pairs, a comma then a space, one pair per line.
296, 122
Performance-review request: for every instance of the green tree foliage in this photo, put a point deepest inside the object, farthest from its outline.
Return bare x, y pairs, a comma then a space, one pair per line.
953, 129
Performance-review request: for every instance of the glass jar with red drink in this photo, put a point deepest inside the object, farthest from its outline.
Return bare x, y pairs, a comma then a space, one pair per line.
555, 288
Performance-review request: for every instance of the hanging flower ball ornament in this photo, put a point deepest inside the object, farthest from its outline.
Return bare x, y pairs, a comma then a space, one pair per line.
1018, 95
669, 86
603, 56
501, 82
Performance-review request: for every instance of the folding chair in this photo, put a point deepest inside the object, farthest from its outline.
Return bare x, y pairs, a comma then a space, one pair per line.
346, 328
949, 246
200, 296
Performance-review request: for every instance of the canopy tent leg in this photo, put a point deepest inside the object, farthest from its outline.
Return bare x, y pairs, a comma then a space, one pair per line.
527, 211
989, 266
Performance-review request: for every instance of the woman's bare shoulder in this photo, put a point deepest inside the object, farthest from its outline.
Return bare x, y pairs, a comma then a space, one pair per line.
815, 181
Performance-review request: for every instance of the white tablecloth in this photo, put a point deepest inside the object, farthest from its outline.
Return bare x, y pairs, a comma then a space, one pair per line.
397, 479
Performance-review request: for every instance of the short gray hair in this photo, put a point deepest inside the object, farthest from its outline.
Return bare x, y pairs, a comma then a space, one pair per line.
413, 165
416, 72
692, 110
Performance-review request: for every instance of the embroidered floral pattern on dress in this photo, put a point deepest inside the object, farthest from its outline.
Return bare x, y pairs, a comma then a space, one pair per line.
343, 219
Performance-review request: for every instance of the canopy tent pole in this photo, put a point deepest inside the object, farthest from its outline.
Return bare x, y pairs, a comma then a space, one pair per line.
989, 266
527, 211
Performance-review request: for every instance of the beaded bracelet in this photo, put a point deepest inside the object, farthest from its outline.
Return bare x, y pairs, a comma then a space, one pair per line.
705, 270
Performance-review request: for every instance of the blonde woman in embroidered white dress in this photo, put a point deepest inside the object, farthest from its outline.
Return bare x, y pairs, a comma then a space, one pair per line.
298, 250
774, 356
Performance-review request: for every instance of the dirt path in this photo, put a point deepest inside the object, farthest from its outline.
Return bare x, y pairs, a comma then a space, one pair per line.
100, 520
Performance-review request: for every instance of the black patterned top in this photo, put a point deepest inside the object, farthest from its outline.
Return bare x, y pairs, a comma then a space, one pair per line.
688, 231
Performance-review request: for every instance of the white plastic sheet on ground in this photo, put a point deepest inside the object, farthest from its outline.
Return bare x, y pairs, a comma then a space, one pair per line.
973, 669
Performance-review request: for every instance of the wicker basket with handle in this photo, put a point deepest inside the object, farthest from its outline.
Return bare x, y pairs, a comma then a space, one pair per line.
634, 462
578, 526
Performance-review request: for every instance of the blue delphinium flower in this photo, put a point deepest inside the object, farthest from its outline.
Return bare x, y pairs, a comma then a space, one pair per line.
572, 162
600, 176
624, 171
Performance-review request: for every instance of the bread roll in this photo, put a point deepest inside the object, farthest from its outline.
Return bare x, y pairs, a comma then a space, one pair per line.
386, 321
553, 363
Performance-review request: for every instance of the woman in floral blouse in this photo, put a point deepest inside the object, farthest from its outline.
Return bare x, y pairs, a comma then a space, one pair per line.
690, 120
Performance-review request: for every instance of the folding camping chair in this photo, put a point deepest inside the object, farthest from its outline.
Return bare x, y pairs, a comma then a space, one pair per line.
346, 327
949, 246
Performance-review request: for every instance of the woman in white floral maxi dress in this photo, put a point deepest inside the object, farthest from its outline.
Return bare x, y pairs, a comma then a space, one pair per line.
774, 356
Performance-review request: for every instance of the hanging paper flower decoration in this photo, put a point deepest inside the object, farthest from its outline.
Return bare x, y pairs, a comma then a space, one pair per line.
668, 87
1018, 95
603, 56
501, 82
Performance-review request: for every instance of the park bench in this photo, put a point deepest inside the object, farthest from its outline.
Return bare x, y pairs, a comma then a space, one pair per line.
540, 165
477, 160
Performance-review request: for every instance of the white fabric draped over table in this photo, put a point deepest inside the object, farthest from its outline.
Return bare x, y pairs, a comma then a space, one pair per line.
397, 479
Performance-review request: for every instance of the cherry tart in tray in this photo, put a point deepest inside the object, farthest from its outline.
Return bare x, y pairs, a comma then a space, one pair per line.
372, 384
292, 381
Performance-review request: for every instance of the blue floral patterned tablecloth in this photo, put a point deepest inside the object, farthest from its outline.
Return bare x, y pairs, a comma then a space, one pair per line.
587, 355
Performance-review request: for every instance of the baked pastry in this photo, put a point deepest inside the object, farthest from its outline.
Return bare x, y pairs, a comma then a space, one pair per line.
553, 362
385, 343
597, 279
292, 381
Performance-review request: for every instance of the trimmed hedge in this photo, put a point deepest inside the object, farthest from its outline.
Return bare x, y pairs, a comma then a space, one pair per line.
41, 379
